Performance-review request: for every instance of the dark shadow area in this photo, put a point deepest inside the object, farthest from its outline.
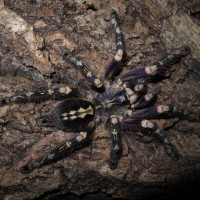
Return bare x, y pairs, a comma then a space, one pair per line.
183, 191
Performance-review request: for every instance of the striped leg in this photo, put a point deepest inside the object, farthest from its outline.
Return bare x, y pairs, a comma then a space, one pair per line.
40, 96
148, 127
158, 134
158, 68
148, 99
63, 150
116, 151
96, 82
115, 64
164, 112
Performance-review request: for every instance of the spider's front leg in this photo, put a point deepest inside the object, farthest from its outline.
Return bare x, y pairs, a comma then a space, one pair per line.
96, 82
82, 139
146, 126
116, 150
38, 96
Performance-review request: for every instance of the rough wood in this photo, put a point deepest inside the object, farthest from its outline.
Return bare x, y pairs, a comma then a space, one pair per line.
32, 34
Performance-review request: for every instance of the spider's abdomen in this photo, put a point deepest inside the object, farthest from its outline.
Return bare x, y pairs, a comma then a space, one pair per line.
73, 114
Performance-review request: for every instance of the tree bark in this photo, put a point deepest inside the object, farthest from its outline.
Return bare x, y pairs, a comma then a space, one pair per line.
32, 35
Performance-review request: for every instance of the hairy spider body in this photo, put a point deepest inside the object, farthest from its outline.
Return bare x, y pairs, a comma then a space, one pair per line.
124, 103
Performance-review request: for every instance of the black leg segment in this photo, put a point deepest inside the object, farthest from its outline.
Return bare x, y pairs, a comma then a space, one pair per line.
158, 68
39, 96
116, 150
116, 63
65, 149
96, 82
151, 128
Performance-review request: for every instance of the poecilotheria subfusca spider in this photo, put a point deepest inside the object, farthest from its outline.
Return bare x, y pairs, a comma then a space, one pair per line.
123, 102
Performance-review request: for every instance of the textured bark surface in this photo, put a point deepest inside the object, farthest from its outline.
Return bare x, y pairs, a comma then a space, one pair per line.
32, 34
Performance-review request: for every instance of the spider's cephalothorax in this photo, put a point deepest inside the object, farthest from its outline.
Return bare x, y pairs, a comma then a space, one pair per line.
125, 104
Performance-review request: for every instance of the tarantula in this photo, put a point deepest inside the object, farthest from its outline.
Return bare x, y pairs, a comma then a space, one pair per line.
122, 102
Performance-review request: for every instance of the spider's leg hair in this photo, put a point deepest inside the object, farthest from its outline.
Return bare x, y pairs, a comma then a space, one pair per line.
150, 113
135, 74
158, 68
116, 151
149, 127
65, 149
41, 95
183, 114
164, 111
116, 64
146, 126
173, 57
129, 124
96, 82
148, 99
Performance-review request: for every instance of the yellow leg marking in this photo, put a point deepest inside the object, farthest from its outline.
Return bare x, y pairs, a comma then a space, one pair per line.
67, 145
7, 100
65, 90
89, 74
50, 91
81, 136
114, 133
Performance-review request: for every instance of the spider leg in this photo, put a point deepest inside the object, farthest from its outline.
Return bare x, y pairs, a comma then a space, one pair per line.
146, 126
148, 99
40, 95
96, 82
151, 128
134, 82
132, 91
158, 68
116, 151
165, 112
65, 149
116, 64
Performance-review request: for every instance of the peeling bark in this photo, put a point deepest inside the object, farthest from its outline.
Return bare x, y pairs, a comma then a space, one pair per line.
32, 35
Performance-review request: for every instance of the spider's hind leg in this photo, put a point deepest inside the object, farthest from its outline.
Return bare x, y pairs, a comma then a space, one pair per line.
148, 127
116, 64
151, 128
78, 142
137, 121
